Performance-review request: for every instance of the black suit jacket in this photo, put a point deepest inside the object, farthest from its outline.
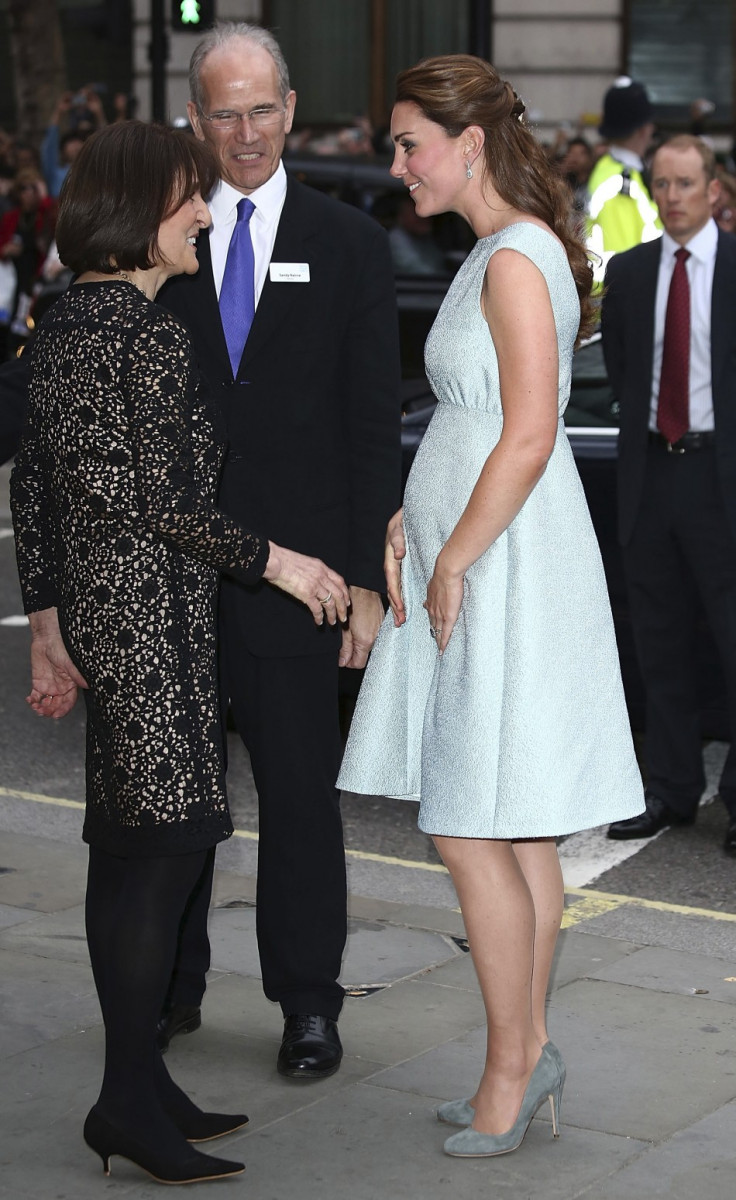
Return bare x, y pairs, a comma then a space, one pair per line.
627, 323
313, 417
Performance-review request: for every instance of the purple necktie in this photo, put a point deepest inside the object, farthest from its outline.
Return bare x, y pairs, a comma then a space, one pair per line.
673, 407
237, 294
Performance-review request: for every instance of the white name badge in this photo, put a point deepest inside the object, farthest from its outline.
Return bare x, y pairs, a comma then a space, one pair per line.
288, 272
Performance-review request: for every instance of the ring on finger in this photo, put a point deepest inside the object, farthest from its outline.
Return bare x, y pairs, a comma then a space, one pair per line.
326, 599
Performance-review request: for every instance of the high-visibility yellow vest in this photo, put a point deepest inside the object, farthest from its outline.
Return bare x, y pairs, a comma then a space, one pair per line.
621, 213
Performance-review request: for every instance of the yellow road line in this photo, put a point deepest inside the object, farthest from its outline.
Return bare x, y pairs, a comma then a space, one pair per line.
588, 903
610, 900
56, 800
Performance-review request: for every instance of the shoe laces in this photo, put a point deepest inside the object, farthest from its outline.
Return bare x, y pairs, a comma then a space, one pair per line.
303, 1023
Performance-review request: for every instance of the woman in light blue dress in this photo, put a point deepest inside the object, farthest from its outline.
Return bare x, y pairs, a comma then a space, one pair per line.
493, 695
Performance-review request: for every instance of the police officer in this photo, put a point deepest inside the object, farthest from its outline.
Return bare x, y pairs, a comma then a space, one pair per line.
621, 213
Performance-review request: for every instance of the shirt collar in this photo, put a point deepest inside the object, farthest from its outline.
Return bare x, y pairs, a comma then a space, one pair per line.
268, 199
626, 157
702, 246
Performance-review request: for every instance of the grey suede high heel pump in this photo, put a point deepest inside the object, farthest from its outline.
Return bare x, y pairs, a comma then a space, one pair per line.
461, 1112
546, 1083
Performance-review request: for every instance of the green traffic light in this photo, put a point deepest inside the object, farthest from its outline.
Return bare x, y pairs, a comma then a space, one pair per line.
190, 12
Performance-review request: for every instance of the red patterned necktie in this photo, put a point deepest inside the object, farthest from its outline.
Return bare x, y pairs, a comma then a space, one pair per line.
673, 408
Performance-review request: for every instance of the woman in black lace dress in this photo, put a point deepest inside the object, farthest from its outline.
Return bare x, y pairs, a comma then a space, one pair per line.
119, 546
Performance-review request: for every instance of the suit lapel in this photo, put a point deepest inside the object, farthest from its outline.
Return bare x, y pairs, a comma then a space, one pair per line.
293, 238
645, 293
204, 302
723, 301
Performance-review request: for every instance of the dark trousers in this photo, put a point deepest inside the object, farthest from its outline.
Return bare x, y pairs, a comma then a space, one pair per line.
682, 552
286, 712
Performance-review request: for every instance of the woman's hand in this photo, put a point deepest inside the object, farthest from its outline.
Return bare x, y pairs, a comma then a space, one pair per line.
395, 551
324, 592
444, 597
54, 678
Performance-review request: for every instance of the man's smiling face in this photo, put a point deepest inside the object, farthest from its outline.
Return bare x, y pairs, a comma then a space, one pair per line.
242, 78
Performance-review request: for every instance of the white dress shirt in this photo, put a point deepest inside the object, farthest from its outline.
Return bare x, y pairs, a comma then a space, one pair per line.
699, 266
269, 201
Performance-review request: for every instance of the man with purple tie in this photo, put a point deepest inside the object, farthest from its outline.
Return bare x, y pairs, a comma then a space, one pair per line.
293, 319
669, 339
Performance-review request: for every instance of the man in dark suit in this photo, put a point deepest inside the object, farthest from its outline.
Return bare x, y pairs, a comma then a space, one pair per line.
669, 338
310, 397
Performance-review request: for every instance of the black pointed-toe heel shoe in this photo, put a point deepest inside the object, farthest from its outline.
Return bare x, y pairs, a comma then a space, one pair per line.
189, 1167
207, 1126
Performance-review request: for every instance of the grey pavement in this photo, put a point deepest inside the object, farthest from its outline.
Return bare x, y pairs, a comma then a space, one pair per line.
643, 1007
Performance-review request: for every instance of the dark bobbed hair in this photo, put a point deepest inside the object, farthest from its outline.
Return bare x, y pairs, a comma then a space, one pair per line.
126, 180
458, 90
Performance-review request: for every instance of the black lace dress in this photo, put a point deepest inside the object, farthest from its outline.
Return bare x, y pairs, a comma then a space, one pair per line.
113, 506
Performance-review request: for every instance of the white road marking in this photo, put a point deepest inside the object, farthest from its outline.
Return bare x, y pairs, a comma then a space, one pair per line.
588, 855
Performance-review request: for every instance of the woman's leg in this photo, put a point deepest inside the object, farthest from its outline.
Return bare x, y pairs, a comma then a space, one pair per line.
134, 906
540, 864
498, 910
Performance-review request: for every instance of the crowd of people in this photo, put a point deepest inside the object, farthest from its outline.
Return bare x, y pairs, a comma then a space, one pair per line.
30, 182
167, 444
434, 247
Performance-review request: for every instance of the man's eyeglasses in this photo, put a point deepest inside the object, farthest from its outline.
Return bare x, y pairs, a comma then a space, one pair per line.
259, 118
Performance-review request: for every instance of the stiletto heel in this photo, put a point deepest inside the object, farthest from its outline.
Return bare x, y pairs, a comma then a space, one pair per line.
190, 1167
546, 1082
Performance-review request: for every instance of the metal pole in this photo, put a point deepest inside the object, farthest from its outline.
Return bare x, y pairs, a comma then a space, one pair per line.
158, 53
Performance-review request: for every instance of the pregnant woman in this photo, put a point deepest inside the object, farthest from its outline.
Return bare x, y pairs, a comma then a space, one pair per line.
493, 695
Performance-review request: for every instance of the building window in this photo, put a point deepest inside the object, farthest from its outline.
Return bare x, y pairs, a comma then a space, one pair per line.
683, 50
343, 57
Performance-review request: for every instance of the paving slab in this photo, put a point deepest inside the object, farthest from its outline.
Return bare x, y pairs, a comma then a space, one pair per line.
580, 955
40, 874
42, 999
58, 936
402, 1021
376, 953
380, 1143
10, 915
673, 971
677, 931
619, 1045
698, 1161
641, 1063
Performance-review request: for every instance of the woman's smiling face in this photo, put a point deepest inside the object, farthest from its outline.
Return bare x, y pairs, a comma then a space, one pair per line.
431, 164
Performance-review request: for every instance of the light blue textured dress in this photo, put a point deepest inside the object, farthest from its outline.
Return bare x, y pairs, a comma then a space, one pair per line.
520, 728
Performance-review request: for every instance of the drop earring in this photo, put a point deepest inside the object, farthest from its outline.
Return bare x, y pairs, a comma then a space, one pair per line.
468, 169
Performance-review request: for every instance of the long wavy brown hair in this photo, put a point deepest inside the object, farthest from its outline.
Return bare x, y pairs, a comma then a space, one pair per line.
458, 90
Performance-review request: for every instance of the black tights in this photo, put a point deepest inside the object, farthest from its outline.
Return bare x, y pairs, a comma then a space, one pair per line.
133, 910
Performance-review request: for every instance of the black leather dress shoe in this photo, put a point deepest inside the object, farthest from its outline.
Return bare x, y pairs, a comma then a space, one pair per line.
180, 1018
310, 1047
656, 816
729, 844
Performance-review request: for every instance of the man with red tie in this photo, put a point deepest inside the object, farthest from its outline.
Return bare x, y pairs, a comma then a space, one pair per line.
669, 338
